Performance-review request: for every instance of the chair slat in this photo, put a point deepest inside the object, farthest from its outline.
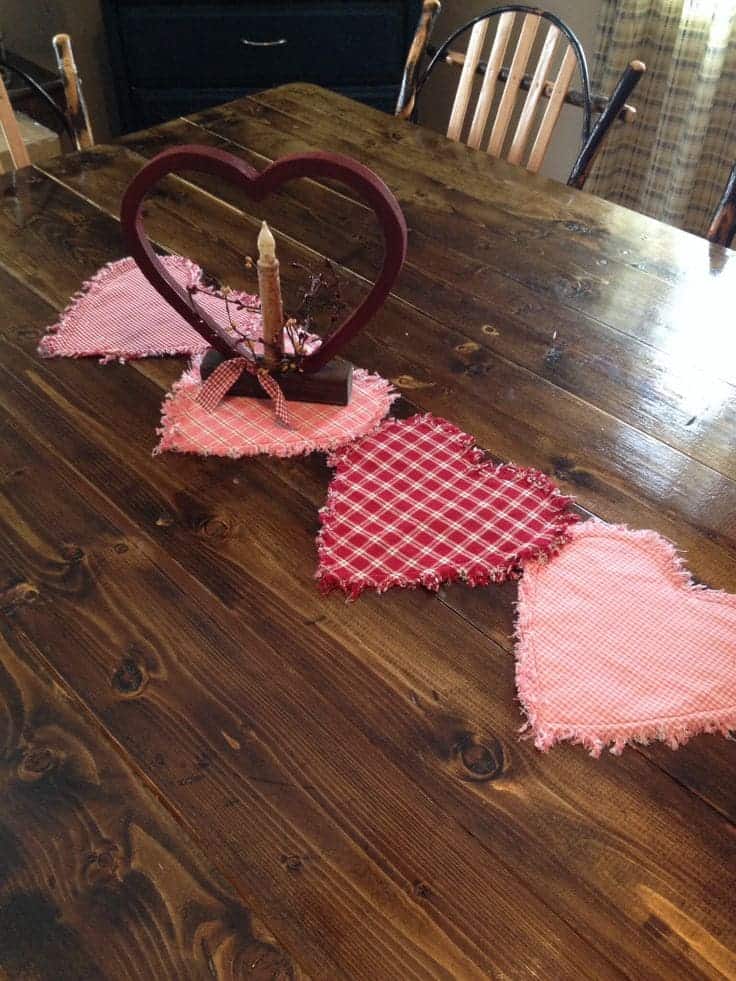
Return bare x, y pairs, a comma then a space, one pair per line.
516, 72
627, 112
9, 125
526, 120
465, 85
495, 61
552, 112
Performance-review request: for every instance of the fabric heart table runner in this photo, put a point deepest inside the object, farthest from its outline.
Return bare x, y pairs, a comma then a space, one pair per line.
615, 643
119, 316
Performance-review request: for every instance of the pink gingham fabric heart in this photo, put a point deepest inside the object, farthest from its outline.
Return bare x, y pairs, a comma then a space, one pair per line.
248, 426
616, 644
416, 503
117, 316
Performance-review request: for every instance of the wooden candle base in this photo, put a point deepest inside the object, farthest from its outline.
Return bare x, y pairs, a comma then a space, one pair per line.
331, 385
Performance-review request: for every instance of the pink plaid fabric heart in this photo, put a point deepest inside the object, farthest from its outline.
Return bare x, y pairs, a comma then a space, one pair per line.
616, 644
415, 503
248, 426
118, 315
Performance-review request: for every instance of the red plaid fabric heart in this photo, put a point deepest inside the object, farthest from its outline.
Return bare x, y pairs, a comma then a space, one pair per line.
415, 503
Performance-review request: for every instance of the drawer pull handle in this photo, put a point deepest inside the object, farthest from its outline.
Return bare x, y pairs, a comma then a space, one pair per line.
262, 44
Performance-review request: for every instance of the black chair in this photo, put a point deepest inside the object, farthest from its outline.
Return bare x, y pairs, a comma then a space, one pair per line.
723, 226
530, 140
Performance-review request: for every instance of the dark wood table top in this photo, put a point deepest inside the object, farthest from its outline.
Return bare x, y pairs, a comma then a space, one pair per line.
211, 771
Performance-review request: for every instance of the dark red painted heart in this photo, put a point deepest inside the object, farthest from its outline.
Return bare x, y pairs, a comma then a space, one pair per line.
208, 160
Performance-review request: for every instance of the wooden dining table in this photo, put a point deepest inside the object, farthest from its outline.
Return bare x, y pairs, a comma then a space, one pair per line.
209, 769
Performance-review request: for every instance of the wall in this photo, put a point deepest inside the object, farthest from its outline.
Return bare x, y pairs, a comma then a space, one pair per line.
580, 17
29, 25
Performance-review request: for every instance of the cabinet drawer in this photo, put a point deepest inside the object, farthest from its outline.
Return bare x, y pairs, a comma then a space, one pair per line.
198, 45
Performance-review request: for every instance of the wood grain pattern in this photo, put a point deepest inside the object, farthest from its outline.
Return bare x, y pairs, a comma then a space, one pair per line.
628, 380
356, 771
477, 745
291, 831
654, 381
98, 880
563, 466
468, 358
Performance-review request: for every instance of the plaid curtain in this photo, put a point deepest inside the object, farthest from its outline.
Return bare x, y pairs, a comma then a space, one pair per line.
673, 162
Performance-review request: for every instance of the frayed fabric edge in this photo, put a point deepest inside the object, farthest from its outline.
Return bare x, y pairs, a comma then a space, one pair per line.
480, 575
616, 738
169, 419
673, 563
347, 453
329, 582
674, 732
51, 346
49, 343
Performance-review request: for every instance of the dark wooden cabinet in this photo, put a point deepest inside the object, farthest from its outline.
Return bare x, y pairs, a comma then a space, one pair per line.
173, 58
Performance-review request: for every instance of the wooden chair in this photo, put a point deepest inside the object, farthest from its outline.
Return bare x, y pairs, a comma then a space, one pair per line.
73, 115
530, 140
723, 226
11, 130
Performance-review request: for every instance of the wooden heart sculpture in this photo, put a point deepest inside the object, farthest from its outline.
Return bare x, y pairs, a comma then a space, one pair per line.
258, 185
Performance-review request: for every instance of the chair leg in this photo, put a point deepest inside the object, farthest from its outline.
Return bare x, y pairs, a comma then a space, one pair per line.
407, 96
723, 226
9, 127
624, 87
76, 108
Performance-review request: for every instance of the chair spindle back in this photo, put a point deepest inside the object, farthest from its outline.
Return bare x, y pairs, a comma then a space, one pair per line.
559, 54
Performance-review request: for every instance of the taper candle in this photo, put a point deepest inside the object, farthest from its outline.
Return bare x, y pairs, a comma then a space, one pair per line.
269, 286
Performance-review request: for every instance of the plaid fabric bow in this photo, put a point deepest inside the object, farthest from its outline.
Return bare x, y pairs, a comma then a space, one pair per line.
226, 374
